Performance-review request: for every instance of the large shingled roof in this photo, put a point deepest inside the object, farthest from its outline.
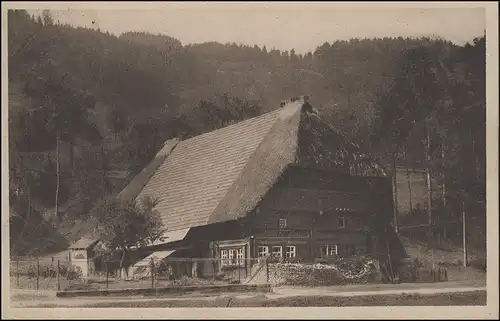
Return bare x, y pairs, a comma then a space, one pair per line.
222, 175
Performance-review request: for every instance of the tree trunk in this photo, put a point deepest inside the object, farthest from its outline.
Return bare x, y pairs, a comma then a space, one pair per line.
395, 191
443, 189
428, 173
57, 176
408, 178
71, 157
104, 171
429, 188
122, 261
443, 185
474, 155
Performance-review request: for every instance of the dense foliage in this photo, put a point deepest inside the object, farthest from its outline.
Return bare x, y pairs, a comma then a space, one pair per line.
122, 225
88, 102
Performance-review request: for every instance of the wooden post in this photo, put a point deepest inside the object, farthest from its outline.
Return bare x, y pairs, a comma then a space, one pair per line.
214, 263
17, 271
429, 188
152, 266
267, 269
247, 250
58, 282
443, 165
239, 272
395, 192
408, 179
37, 273
428, 172
464, 235
312, 236
57, 176
389, 261
107, 273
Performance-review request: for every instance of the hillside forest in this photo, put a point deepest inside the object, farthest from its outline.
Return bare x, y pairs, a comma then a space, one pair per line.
84, 104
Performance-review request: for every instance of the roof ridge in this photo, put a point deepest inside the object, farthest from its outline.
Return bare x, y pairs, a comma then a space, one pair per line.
228, 127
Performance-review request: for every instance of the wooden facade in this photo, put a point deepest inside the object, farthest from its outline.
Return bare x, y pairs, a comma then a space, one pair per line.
306, 215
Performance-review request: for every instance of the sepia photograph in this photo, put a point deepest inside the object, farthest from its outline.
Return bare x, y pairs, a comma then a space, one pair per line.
232, 156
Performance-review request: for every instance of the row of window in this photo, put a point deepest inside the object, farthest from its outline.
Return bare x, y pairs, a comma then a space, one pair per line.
277, 251
341, 222
290, 251
236, 257
333, 250
231, 257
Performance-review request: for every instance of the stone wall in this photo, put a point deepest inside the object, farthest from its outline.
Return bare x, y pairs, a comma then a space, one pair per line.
320, 274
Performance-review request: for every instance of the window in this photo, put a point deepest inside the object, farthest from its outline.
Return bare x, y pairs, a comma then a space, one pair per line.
223, 255
341, 221
290, 251
263, 251
282, 223
329, 250
240, 256
277, 251
232, 257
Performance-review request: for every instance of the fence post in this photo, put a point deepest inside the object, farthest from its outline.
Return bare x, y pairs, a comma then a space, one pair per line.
213, 269
17, 271
58, 282
239, 272
152, 265
37, 273
267, 269
107, 273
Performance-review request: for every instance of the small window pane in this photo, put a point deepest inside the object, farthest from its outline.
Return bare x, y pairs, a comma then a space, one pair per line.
224, 260
263, 251
341, 222
240, 256
277, 251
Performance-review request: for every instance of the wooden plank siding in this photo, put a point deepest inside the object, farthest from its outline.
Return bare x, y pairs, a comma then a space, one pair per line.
312, 215
312, 202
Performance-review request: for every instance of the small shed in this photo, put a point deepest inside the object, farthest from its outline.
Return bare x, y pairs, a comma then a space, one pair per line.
81, 255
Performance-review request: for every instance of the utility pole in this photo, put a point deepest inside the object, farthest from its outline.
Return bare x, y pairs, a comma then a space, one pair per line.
395, 191
429, 188
58, 176
464, 235
408, 178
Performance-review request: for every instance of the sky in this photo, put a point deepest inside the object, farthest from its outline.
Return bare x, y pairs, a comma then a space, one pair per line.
301, 26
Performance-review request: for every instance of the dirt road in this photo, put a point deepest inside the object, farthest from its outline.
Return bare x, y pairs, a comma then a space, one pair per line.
281, 296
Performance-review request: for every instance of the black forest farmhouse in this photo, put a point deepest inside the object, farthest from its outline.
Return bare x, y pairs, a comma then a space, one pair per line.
284, 184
